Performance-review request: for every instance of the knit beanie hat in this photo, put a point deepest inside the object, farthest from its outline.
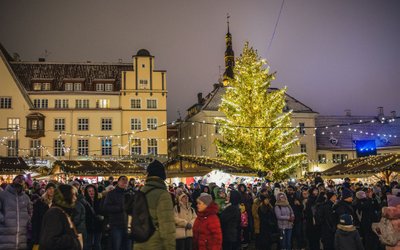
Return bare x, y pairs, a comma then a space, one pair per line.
361, 195
205, 198
346, 220
346, 193
156, 168
329, 194
50, 185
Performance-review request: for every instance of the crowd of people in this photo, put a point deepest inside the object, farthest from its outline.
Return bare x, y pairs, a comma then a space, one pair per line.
304, 215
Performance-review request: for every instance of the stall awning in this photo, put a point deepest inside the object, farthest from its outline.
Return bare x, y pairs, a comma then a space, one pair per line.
366, 165
97, 168
13, 166
186, 166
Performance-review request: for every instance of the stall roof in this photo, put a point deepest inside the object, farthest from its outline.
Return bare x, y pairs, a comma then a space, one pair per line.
97, 167
13, 165
366, 165
200, 165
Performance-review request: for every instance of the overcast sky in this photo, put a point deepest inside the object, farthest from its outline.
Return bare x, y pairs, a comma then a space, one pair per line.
332, 55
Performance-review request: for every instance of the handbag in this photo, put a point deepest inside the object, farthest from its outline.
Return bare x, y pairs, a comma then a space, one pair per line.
72, 226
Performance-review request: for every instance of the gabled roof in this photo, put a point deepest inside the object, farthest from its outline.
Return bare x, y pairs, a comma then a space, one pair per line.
6, 55
58, 72
213, 100
385, 134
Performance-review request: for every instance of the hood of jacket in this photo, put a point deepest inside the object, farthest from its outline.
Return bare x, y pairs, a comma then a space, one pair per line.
13, 190
210, 210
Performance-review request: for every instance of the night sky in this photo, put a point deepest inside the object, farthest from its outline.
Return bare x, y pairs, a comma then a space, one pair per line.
332, 55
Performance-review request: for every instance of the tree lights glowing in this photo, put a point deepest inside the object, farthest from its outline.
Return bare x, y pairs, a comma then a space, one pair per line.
248, 103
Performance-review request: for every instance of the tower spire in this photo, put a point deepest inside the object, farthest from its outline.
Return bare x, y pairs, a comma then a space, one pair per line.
229, 55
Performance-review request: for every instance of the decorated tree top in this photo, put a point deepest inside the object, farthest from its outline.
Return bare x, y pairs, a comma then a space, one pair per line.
256, 131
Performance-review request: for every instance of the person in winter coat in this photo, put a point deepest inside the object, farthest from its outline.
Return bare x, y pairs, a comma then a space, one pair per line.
254, 211
310, 212
285, 216
161, 210
247, 200
184, 220
195, 194
347, 237
296, 202
58, 231
220, 198
367, 209
15, 213
207, 233
344, 206
114, 207
328, 225
79, 213
230, 223
268, 224
40, 207
94, 219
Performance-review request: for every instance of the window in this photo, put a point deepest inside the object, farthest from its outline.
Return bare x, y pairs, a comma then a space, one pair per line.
5, 102
78, 86
12, 148
83, 147
83, 124
59, 147
35, 148
152, 147
151, 104
61, 104
109, 87
152, 123
106, 124
13, 123
143, 84
302, 129
69, 86
321, 158
217, 129
135, 104
99, 87
136, 148
136, 124
46, 86
303, 148
41, 103
339, 158
103, 103
59, 124
82, 104
106, 147
37, 86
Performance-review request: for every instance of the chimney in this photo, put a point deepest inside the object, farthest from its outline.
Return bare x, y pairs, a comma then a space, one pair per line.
42, 59
347, 112
200, 98
394, 115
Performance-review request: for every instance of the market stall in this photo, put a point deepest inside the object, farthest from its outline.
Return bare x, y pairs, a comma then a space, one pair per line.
12, 166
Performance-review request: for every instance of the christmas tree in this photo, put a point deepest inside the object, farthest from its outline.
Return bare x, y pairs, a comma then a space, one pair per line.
256, 131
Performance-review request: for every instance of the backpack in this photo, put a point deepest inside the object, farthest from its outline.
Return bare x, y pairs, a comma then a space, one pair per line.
386, 232
139, 220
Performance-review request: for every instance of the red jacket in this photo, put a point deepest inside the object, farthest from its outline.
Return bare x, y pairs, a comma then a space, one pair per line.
207, 233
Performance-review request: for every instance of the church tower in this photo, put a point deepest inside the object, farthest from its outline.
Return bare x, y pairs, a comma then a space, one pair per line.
229, 56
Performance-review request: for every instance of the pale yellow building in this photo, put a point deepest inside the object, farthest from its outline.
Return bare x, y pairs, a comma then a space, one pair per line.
54, 110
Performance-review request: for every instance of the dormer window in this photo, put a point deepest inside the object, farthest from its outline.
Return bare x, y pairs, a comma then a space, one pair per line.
77, 86
73, 86
41, 86
37, 86
104, 87
69, 86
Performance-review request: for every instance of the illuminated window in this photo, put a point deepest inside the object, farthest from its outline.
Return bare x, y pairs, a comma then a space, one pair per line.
37, 86
35, 148
12, 147
322, 158
13, 123
103, 103
59, 147
152, 148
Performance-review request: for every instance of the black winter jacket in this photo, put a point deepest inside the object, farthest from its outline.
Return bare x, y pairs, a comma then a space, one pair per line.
348, 239
114, 207
230, 224
268, 225
342, 207
94, 219
56, 232
40, 208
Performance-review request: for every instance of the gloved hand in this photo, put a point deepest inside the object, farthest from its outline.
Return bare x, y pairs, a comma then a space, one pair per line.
188, 226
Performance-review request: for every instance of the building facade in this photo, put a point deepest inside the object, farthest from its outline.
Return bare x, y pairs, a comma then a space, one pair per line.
87, 110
